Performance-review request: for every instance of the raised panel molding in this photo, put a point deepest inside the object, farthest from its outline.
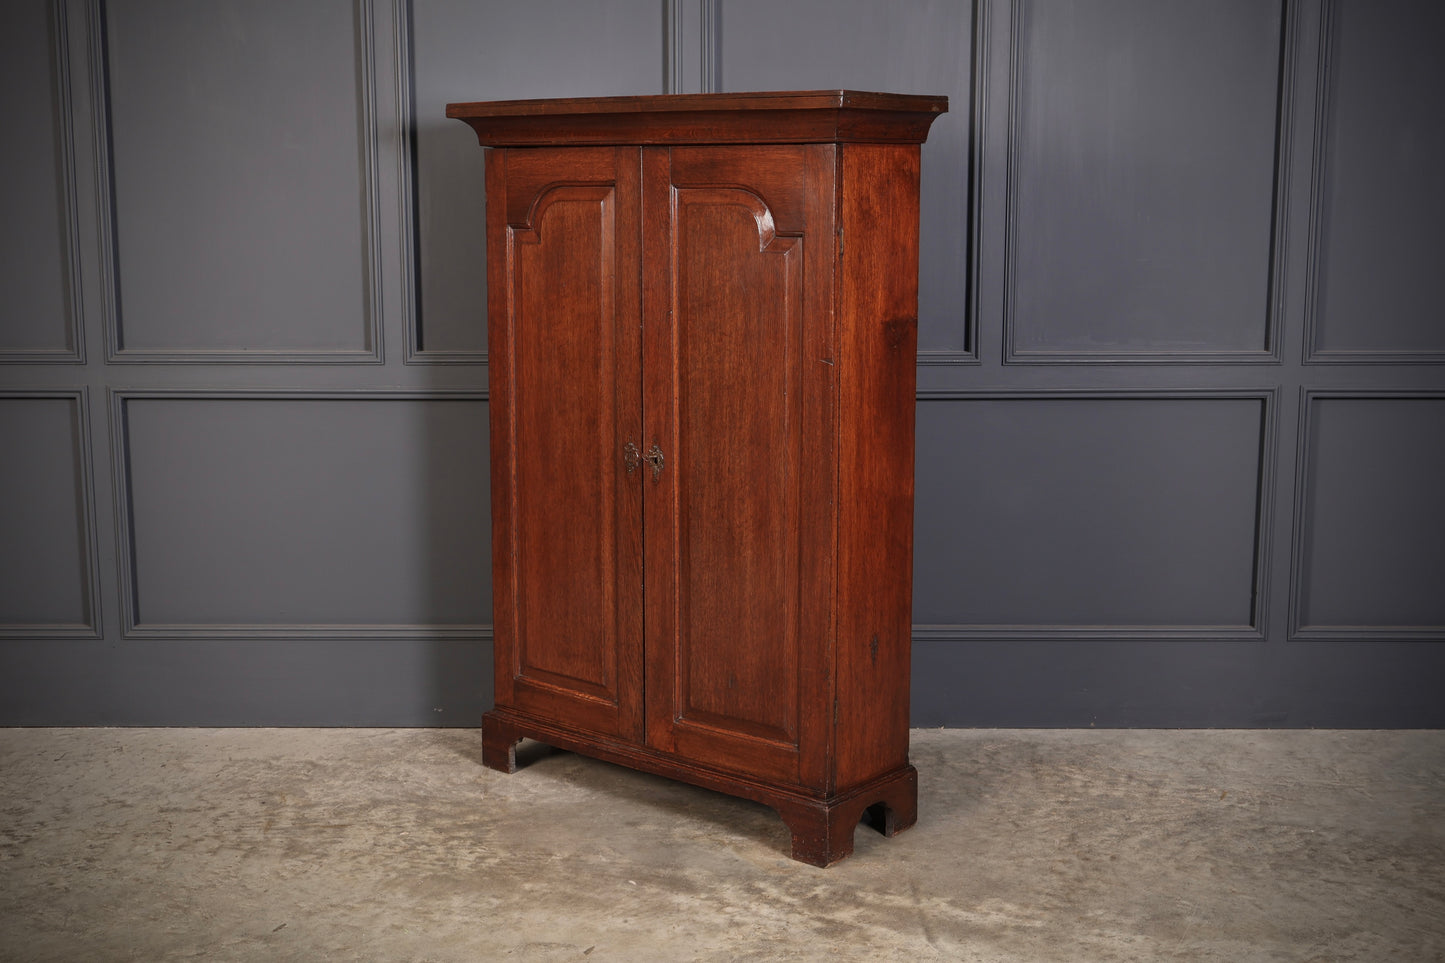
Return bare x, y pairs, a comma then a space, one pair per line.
79, 400
372, 351
73, 351
131, 628
1306, 485
1324, 108
1264, 488
702, 422
1014, 353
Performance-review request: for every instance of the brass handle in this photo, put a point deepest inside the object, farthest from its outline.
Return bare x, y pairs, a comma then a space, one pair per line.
654, 458
630, 457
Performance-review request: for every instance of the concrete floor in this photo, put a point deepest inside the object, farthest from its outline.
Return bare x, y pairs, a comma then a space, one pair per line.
1031, 845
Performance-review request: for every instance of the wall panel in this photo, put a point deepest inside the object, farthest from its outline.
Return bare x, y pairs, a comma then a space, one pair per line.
38, 269
1370, 545
300, 514
1076, 514
47, 540
1141, 180
243, 177
1179, 311
1376, 279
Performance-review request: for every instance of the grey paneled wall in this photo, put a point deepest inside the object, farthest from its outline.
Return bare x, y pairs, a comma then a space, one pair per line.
1140, 498
227, 496
1376, 290
1181, 398
47, 540
1086, 514
245, 196
1140, 178
38, 257
239, 235
1370, 556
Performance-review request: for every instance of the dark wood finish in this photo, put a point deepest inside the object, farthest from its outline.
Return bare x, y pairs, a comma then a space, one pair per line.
702, 363
878, 343
566, 517
791, 117
822, 825
728, 690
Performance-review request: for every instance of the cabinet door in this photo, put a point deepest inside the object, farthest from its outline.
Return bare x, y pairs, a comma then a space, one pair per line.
739, 387
565, 388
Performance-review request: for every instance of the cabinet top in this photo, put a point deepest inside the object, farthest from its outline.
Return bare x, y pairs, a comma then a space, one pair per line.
771, 117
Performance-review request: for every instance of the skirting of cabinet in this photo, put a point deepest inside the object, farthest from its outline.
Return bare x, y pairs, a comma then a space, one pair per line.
822, 826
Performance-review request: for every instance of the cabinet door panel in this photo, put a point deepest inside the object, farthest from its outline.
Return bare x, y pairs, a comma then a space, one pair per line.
565, 398
726, 401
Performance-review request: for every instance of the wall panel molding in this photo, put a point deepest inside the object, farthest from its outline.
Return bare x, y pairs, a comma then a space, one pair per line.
1315, 240
1305, 484
63, 117
374, 269
978, 132
133, 629
692, 43
1264, 489
1014, 353
413, 305
79, 398
107, 265
1324, 106
710, 77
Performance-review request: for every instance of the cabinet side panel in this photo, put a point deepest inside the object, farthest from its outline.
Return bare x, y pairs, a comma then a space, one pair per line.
878, 333
817, 512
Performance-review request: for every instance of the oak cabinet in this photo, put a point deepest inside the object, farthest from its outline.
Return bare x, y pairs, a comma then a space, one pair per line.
702, 330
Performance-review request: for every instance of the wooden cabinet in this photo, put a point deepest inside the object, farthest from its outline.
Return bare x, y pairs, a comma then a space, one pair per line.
702, 329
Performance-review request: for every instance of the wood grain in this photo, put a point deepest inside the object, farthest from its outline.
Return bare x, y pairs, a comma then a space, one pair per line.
733, 610
792, 117
565, 352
